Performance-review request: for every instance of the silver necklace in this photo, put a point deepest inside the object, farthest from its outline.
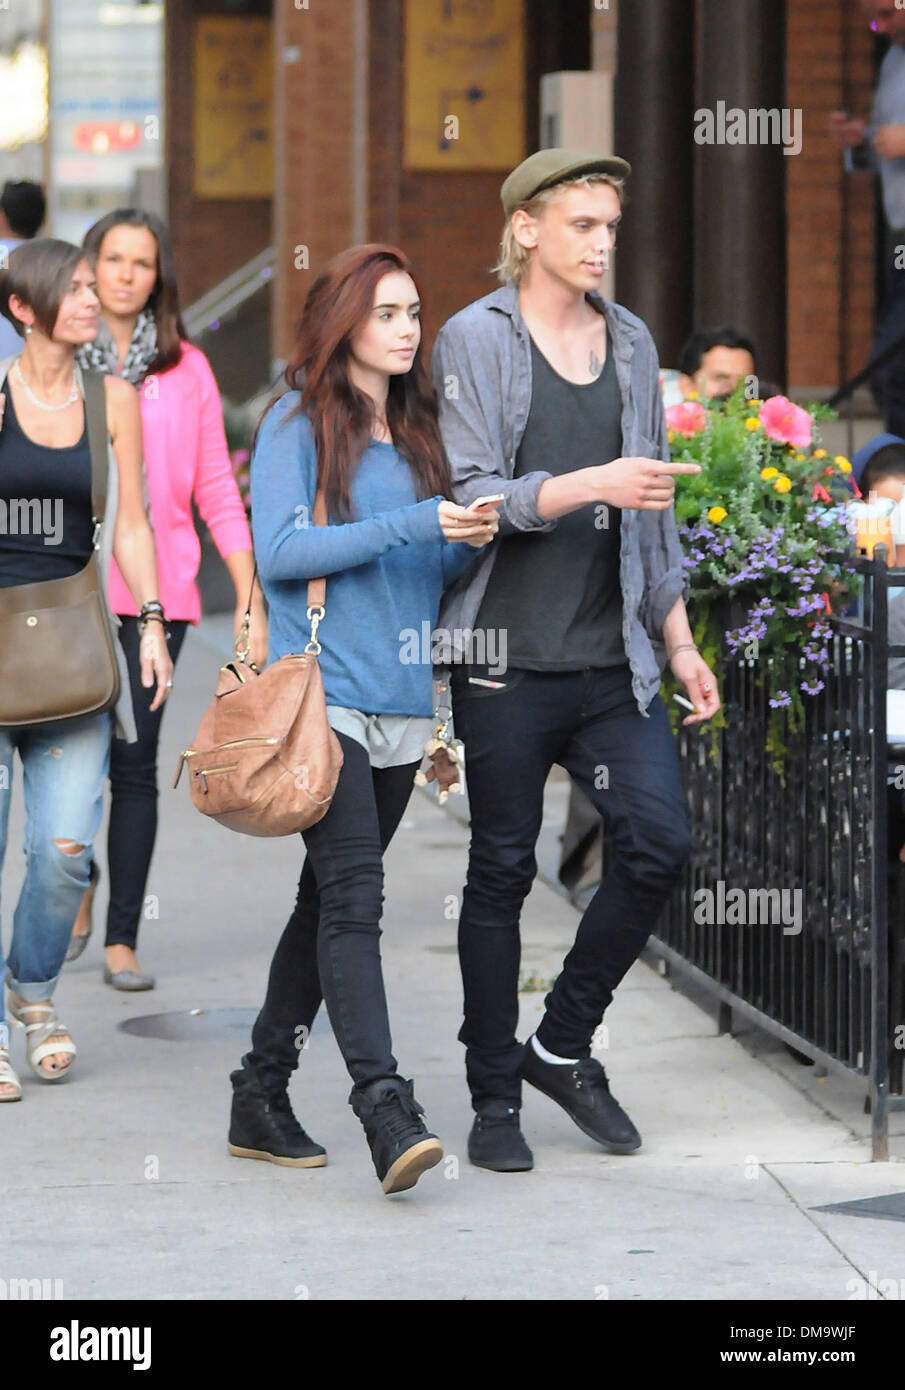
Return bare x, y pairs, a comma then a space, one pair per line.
42, 405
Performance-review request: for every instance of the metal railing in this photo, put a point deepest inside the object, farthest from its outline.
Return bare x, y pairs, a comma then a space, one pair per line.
821, 982
231, 292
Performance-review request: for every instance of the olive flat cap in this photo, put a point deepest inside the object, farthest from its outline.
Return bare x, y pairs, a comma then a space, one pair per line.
547, 167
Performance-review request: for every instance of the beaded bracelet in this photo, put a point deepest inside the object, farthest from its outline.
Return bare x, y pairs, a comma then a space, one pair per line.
146, 618
682, 647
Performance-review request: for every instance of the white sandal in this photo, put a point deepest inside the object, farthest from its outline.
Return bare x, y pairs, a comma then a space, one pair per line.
8, 1078
37, 1046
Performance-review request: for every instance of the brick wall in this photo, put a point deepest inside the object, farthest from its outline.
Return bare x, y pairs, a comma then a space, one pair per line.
829, 214
317, 89
449, 223
211, 236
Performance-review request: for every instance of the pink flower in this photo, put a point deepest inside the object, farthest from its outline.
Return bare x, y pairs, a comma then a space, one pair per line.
687, 418
785, 422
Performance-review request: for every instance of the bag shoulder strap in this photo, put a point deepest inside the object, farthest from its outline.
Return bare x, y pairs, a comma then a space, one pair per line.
317, 588
96, 422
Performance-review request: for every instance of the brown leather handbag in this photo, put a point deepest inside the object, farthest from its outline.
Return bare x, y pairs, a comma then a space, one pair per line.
264, 760
57, 652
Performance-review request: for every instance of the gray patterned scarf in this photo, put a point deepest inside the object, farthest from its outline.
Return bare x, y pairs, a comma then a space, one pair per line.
100, 355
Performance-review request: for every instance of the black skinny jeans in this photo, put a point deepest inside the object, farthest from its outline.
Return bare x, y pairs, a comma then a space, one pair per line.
589, 723
330, 947
133, 789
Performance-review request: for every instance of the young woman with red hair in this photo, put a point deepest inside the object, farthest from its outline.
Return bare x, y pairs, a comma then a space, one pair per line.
358, 421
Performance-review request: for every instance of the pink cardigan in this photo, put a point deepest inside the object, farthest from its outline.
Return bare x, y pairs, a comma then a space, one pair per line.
185, 455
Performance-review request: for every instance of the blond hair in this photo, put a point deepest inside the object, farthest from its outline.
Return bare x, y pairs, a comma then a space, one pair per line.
514, 257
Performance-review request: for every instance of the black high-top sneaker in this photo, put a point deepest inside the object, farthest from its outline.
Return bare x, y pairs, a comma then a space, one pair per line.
401, 1146
496, 1140
262, 1125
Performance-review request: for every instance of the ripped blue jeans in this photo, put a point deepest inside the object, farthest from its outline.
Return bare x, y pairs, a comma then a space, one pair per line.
65, 769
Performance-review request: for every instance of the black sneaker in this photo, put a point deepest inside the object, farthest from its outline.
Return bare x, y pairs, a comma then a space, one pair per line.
496, 1140
401, 1147
263, 1126
584, 1093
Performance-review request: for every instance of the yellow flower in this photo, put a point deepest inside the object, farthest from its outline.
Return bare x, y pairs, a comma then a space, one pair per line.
755, 402
671, 434
820, 453
782, 483
717, 514
752, 423
799, 458
842, 463
693, 396
768, 473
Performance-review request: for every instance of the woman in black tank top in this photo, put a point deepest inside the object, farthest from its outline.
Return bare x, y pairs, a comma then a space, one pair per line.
46, 532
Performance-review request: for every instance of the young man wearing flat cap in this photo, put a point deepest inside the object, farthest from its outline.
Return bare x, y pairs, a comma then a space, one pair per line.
550, 396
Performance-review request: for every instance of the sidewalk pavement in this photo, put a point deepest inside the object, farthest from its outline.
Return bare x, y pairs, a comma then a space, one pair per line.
118, 1183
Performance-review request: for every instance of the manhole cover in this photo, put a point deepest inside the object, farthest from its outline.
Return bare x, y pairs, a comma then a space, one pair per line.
889, 1207
194, 1025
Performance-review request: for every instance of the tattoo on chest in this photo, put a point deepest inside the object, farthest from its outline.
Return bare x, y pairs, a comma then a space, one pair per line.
595, 366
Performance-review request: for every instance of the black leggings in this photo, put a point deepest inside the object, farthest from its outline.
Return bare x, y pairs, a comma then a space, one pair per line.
133, 787
330, 947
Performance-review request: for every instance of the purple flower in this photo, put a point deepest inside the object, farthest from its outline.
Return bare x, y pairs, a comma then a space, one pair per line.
811, 689
805, 605
783, 698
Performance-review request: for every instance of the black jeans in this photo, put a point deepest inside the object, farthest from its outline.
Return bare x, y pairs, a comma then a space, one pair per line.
330, 947
589, 723
133, 789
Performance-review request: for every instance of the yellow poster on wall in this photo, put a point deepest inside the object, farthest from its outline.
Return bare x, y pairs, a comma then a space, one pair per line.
464, 84
233, 112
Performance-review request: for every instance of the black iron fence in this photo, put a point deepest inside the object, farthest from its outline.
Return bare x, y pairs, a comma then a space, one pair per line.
792, 910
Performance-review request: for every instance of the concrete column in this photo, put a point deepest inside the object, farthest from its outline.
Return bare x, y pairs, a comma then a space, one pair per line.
654, 132
321, 195
740, 221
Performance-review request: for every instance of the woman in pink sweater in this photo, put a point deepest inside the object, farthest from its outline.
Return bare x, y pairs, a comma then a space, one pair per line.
141, 337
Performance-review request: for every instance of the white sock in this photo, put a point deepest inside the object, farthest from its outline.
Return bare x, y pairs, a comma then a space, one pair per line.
549, 1057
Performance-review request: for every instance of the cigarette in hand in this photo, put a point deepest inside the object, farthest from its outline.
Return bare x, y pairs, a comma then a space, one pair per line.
680, 700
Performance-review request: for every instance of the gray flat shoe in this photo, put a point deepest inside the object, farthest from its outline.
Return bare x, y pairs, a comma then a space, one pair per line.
128, 979
78, 943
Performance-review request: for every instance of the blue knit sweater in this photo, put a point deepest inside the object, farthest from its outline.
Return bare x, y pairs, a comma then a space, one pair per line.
385, 571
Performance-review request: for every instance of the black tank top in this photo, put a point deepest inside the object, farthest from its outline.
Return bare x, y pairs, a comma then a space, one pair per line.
557, 593
45, 505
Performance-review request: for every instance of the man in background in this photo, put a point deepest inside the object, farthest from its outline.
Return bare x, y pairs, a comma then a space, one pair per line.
880, 147
22, 211
713, 361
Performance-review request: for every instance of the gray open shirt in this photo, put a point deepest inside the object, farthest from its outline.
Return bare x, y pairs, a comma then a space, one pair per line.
481, 371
